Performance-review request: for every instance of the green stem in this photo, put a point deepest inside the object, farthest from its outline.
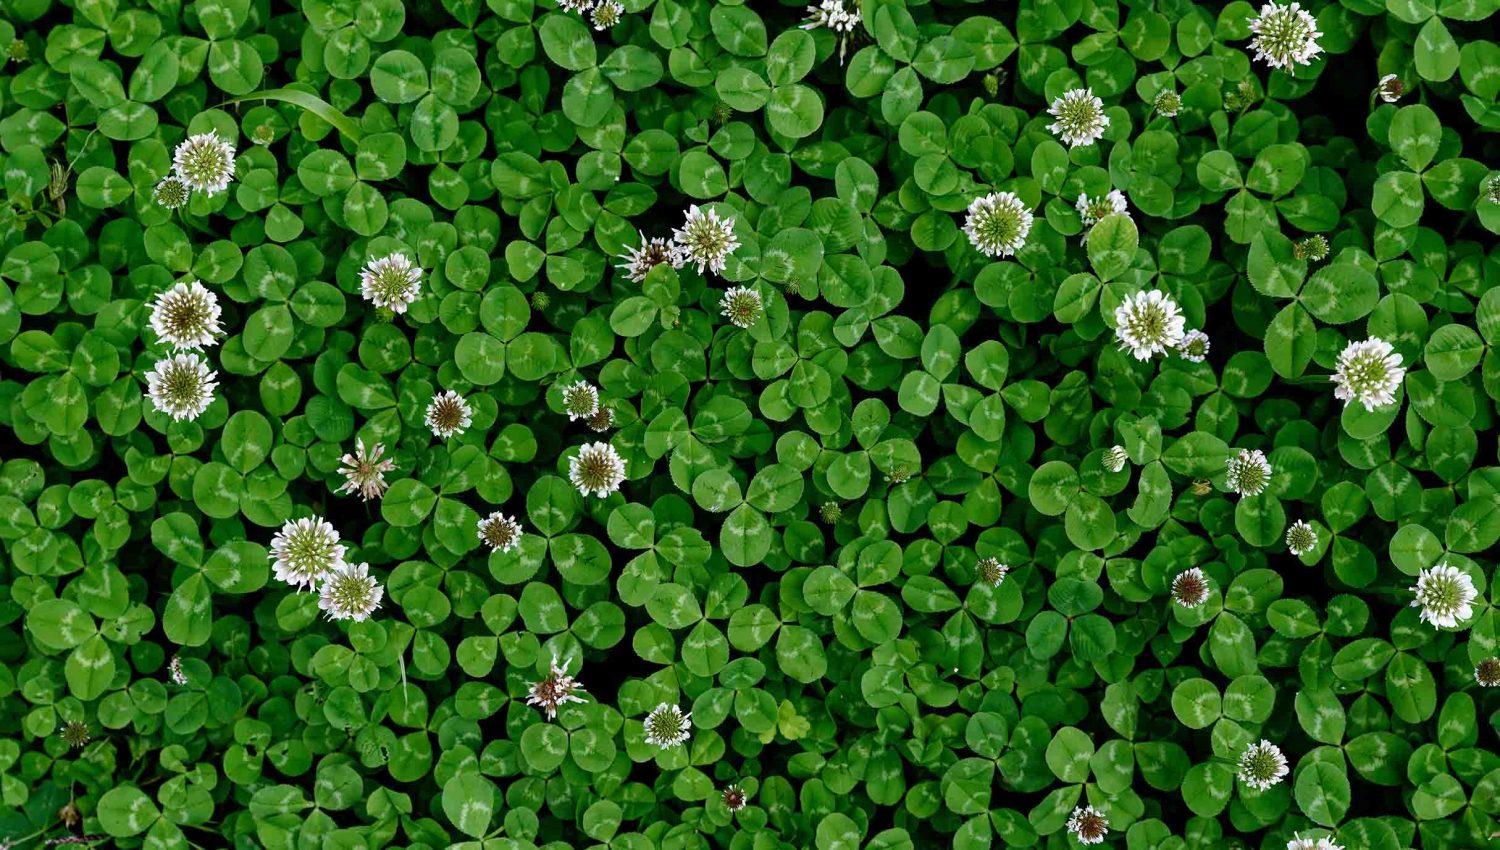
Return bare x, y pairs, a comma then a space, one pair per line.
312, 103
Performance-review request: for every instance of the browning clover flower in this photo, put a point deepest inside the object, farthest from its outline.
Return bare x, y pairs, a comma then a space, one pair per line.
500, 532
173, 192
1390, 88
991, 571
350, 593
1487, 673
1262, 765
1115, 458
741, 306
364, 470
76, 733
1194, 346
602, 420
1190, 588
704, 239
1301, 538
997, 224
580, 400
734, 798
186, 316
1445, 594
448, 414
668, 726
1249, 472
1284, 36
181, 386
1369, 372
205, 162
1088, 825
306, 550
597, 469
1148, 323
392, 282
554, 690
1080, 117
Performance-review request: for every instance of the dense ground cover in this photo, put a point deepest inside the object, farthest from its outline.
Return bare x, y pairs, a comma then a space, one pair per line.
683, 423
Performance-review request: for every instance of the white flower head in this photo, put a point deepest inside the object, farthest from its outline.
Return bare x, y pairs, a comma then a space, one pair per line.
1249, 472
580, 400
741, 305
833, 14
1299, 843
734, 798
704, 239
1368, 372
602, 420
1445, 594
1262, 765
392, 282
579, 6
364, 470
500, 532
448, 414
607, 14
668, 726
1093, 209
1301, 538
350, 593
181, 386
305, 551
1390, 88
991, 571
1194, 346
205, 162
997, 224
1088, 825
1285, 36
597, 469
175, 671
1115, 458
1080, 117
1167, 103
173, 192
186, 316
555, 689
1190, 588
1487, 673
1148, 323
640, 261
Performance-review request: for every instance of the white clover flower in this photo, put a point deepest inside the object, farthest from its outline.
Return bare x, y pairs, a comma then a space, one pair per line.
1080, 117
1369, 372
448, 414
186, 316
1088, 825
1262, 765
175, 672
554, 690
1190, 588
607, 14
1167, 103
734, 798
1298, 843
741, 305
668, 726
1091, 210
1148, 323
1194, 346
350, 593
1115, 458
1487, 673
205, 162
640, 261
364, 470
1445, 594
1301, 538
500, 532
173, 192
602, 420
1390, 88
181, 386
579, 6
704, 239
597, 469
997, 224
1249, 472
392, 282
306, 550
834, 15
991, 571
580, 400
1285, 36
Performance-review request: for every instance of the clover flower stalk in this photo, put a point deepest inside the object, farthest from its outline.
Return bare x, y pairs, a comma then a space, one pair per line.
1301, 538
1262, 765
500, 532
205, 162
350, 593
1190, 588
1284, 36
1445, 594
668, 726
997, 224
1080, 117
392, 282
597, 469
364, 470
306, 550
1249, 473
553, 691
705, 240
1088, 825
448, 414
181, 386
186, 316
1368, 372
1148, 323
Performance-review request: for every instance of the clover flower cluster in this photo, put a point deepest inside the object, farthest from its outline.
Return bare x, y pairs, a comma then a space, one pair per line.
200, 163
307, 553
